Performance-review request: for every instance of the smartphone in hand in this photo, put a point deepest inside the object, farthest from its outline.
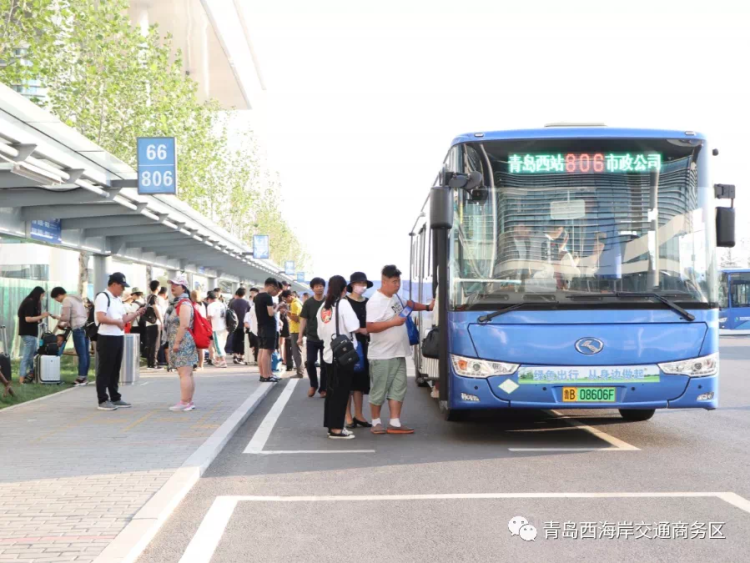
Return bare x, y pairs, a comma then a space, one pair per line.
406, 312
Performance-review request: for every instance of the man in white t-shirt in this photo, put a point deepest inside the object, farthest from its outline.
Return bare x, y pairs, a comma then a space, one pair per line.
389, 348
216, 313
111, 318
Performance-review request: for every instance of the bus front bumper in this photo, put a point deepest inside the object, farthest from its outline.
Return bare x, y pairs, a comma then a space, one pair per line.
679, 392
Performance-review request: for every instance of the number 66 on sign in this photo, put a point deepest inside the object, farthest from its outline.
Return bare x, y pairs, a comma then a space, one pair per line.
157, 165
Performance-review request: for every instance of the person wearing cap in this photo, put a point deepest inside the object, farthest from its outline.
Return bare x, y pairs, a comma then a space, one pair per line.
183, 354
358, 284
111, 316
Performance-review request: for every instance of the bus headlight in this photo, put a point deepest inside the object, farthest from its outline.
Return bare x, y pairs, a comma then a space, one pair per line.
472, 367
695, 367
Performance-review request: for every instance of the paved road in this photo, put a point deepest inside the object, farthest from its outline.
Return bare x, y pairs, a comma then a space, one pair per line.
448, 492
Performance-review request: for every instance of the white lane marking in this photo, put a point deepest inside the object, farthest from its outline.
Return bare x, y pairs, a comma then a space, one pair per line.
145, 383
211, 530
263, 432
268, 452
736, 500
206, 539
731, 498
616, 442
568, 450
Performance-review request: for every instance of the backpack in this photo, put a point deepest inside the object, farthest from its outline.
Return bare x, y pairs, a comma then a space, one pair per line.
48, 345
201, 331
91, 328
150, 315
230, 317
344, 353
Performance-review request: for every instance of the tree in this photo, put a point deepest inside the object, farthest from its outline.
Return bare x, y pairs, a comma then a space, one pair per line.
113, 83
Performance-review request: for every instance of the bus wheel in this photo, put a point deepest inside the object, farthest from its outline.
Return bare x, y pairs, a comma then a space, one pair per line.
637, 415
422, 380
452, 415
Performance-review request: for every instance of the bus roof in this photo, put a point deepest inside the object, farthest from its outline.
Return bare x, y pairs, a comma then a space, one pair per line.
736, 270
573, 132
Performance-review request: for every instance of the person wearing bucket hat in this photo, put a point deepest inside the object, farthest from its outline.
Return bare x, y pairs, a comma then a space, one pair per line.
358, 284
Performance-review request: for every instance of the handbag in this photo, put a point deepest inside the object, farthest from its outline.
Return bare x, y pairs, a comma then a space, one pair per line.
344, 353
411, 329
359, 367
431, 344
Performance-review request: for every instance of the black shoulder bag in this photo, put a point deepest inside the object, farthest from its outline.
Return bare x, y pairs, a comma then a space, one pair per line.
431, 344
344, 353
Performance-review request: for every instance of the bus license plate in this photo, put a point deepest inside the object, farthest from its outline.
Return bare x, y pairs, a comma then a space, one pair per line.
588, 394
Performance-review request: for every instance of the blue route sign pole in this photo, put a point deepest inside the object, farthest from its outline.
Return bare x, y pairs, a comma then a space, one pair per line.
157, 165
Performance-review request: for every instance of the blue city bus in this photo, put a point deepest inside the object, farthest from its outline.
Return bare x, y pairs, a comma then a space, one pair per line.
574, 267
734, 300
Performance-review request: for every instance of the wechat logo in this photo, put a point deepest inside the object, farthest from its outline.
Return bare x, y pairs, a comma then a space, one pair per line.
519, 526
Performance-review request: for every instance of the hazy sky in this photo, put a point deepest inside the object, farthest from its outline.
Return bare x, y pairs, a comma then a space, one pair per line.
364, 98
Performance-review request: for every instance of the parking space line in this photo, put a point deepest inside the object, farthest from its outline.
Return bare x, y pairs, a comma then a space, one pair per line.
273, 452
259, 439
206, 539
731, 498
568, 450
617, 444
212, 528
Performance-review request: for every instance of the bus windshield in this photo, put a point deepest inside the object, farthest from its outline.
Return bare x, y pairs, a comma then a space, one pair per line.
582, 217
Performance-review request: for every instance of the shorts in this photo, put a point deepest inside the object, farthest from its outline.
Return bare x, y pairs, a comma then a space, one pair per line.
387, 380
267, 343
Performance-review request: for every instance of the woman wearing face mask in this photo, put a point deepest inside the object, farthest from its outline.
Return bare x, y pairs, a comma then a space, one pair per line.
358, 284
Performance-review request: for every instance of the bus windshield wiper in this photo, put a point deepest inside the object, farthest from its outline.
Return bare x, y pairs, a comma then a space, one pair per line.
488, 317
634, 295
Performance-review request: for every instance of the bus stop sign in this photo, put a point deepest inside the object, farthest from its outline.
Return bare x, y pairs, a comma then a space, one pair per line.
157, 165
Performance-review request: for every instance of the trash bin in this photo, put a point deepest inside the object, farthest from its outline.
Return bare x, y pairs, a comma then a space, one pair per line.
130, 370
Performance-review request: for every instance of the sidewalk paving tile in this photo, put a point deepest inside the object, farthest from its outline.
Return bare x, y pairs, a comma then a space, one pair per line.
78, 475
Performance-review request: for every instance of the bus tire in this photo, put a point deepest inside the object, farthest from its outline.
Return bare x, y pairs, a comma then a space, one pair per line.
452, 415
637, 415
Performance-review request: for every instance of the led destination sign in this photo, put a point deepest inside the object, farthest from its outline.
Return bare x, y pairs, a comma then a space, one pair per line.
583, 163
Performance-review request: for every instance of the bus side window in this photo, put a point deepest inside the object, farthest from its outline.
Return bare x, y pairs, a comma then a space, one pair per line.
723, 291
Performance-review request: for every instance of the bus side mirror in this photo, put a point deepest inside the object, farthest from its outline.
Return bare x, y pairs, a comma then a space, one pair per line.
441, 208
725, 227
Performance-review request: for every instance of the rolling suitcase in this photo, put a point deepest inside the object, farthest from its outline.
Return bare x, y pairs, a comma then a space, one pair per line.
47, 369
5, 355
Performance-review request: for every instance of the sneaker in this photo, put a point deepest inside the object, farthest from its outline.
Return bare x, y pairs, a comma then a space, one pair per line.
190, 406
236, 361
107, 406
378, 429
344, 435
121, 404
181, 407
82, 381
269, 380
435, 393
